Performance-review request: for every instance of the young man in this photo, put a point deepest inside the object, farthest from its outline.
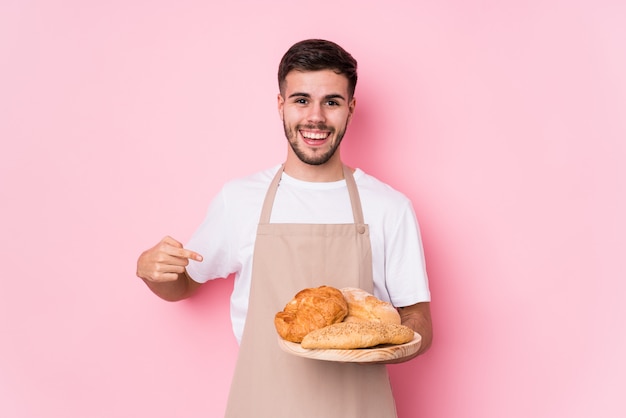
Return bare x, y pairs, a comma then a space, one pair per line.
326, 224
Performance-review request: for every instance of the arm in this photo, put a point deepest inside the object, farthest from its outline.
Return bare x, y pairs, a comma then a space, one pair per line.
417, 317
162, 268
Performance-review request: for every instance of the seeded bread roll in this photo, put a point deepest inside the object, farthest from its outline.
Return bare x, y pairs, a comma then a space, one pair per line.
363, 306
351, 335
310, 309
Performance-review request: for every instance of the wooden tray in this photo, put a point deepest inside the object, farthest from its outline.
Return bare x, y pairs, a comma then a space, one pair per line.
379, 354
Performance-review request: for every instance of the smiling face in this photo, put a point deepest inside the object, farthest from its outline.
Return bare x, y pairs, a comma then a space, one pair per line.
315, 108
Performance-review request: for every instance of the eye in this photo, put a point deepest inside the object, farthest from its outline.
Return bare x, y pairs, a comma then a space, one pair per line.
301, 101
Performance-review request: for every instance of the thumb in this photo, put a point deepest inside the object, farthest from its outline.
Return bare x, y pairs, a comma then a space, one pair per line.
171, 241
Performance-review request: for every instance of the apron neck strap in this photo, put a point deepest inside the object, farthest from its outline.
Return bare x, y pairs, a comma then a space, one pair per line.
355, 200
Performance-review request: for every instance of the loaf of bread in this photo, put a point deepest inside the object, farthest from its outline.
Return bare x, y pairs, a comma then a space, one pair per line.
364, 307
351, 335
309, 310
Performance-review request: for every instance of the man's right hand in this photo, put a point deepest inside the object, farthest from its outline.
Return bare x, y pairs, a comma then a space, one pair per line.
165, 262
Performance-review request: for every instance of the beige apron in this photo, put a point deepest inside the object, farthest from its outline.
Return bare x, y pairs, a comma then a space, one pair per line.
269, 383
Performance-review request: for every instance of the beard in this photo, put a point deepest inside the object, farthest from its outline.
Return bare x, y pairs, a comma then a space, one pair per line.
318, 158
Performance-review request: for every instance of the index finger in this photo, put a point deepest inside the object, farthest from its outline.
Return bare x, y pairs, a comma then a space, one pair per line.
184, 253
192, 255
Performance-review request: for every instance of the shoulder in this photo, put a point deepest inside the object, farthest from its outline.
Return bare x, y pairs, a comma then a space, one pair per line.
372, 188
252, 183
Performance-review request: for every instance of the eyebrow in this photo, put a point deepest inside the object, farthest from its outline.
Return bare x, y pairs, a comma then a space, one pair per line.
327, 97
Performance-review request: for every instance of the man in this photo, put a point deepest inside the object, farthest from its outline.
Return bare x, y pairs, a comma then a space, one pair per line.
309, 222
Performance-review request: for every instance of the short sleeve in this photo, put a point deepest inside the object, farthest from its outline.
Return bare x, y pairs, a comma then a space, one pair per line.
405, 266
213, 240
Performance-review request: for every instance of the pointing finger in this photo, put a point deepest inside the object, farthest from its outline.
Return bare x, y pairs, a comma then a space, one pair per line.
180, 252
174, 248
192, 255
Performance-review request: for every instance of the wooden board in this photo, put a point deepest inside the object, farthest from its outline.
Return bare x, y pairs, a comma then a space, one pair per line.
378, 354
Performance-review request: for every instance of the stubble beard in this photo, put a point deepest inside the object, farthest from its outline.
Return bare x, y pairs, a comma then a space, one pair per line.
317, 158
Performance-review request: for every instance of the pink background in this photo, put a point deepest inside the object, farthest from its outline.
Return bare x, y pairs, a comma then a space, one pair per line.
503, 121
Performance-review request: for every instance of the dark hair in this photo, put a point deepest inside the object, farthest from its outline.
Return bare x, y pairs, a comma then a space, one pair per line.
316, 55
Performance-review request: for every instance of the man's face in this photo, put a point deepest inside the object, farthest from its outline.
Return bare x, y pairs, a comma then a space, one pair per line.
315, 110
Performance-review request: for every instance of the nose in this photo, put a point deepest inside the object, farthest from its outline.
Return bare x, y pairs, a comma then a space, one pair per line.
316, 113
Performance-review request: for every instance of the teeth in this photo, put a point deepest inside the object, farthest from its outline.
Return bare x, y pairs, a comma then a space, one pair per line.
311, 135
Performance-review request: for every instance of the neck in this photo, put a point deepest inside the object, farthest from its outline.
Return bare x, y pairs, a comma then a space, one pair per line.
329, 171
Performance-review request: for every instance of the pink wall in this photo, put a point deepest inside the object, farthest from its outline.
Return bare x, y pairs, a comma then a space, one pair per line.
504, 121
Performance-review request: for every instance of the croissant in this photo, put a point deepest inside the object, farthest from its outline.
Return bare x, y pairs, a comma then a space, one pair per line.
310, 309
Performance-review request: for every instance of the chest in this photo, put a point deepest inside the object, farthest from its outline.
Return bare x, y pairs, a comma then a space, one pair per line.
300, 205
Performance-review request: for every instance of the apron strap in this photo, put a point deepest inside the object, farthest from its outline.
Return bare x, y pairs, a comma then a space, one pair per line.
266, 211
355, 200
353, 191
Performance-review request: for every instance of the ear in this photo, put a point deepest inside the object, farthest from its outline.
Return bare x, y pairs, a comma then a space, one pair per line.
351, 107
281, 104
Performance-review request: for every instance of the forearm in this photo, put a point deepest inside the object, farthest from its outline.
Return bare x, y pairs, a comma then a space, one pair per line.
171, 291
417, 317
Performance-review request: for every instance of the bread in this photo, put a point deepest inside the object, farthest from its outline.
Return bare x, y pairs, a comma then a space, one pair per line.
351, 335
363, 306
310, 309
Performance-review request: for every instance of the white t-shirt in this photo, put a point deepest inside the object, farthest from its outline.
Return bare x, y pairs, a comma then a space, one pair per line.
226, 236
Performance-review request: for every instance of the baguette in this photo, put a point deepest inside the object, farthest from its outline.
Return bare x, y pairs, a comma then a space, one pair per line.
351, 335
